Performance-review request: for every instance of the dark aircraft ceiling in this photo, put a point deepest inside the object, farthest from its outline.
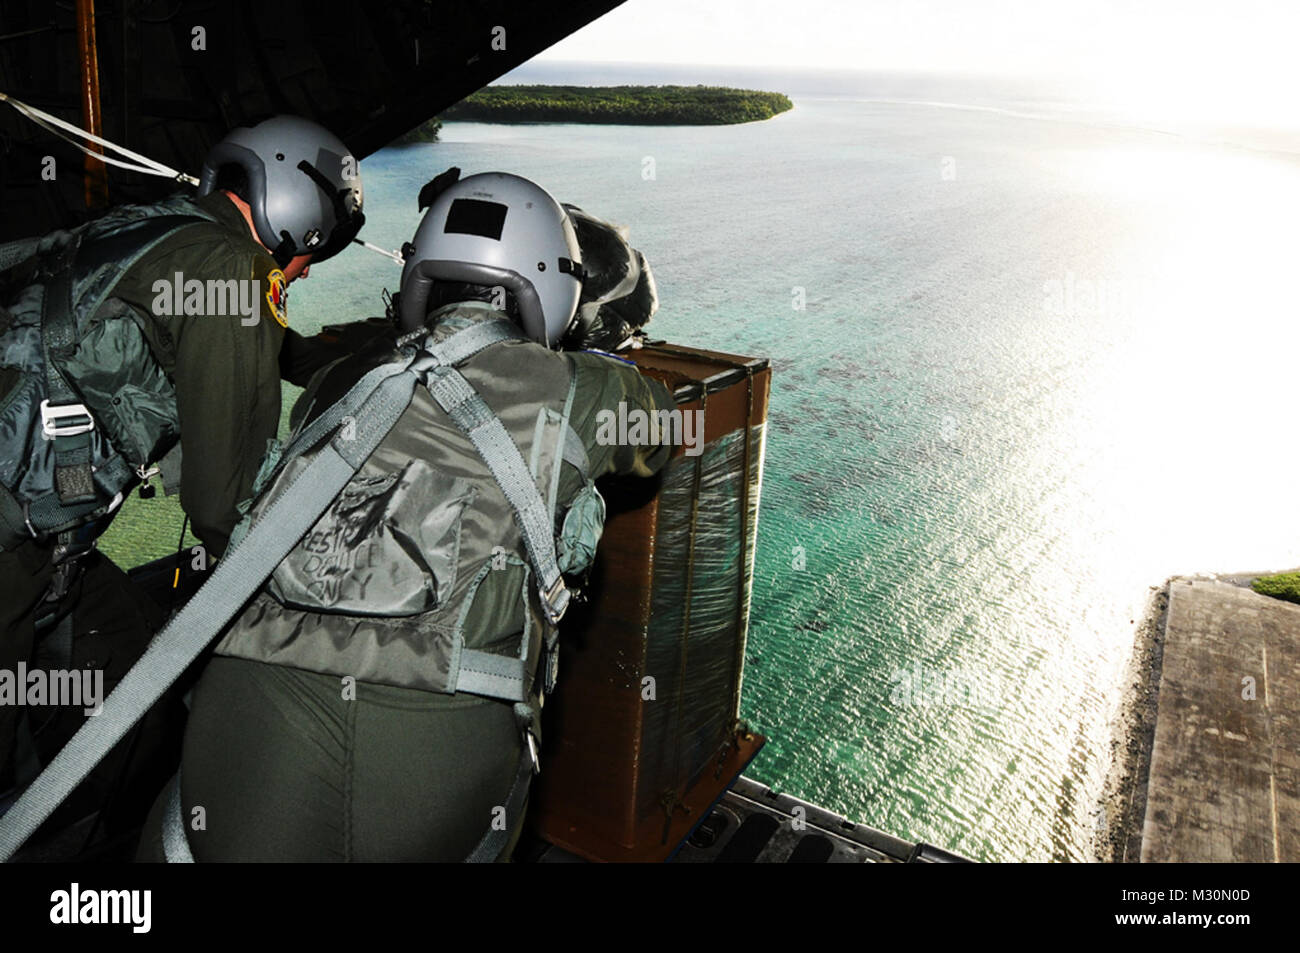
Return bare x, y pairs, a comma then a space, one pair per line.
369, 71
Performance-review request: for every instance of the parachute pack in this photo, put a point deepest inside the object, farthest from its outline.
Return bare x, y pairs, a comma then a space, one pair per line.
84, 405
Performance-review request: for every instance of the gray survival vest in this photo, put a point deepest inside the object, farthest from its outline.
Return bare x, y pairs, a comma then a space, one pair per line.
418, 575
84, 404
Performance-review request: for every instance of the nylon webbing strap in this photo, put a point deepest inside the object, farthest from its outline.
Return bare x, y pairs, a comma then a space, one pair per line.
73, 477
13, 253
494, 842
499, 676
574, 452
346, 406
58, 332
465, 343
176, 846
458, 347
48, 515
235, 579
475, 419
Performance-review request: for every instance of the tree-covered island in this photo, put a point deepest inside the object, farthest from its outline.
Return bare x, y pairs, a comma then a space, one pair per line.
621, 105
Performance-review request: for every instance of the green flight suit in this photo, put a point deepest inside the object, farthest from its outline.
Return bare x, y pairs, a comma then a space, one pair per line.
289, 761
226, 373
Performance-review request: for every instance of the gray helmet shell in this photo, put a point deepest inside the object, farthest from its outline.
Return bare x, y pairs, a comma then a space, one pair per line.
304, 186
497, 229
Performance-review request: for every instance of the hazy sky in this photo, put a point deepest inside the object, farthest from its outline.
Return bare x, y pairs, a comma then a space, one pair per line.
1182, 53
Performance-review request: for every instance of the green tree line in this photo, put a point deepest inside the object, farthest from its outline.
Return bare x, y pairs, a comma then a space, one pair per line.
640, 105
624, 105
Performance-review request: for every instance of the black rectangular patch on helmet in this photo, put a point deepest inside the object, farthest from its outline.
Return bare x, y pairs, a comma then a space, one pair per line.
476, 217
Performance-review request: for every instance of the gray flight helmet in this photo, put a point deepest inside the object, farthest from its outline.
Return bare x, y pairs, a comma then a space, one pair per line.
304, 186
497, 229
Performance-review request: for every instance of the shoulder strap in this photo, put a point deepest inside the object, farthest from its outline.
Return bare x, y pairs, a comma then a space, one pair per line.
572, 450
454, 349
17, 252
64, 419
468, 411
575, 452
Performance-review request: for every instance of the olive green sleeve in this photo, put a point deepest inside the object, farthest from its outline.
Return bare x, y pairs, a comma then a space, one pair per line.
604, 385
301, 357
228, 394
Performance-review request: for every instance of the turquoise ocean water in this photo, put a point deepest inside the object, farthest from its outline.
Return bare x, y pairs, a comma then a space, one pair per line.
1028, 363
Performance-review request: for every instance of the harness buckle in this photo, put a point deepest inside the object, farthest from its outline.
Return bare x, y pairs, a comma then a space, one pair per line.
556, 600
67, 558
53, 417
532, 752
145, 473
526, 718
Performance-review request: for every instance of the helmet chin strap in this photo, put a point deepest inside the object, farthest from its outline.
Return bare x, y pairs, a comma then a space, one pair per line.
283, 252
345, 218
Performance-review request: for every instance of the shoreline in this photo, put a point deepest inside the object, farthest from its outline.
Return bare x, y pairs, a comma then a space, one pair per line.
1122, 808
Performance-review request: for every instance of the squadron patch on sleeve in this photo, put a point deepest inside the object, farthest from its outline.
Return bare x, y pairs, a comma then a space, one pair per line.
277, 296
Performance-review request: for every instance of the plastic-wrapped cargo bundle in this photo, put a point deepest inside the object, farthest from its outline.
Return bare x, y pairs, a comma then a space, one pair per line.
643, 731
